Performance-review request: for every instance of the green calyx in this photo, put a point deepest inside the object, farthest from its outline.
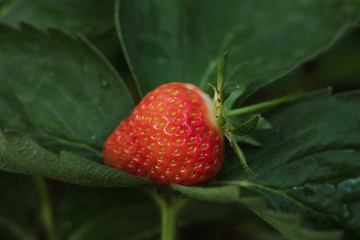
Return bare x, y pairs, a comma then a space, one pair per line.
237, 124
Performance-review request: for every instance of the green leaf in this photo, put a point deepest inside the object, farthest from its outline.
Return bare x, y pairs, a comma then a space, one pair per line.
58, 145
246, 127
64, 87
288, 224
214, 194
240, 155
263, 123
9, 118
20, 154
309, 159
355, 4
91, 17
183, 40
249, 140
221, 71
231, 99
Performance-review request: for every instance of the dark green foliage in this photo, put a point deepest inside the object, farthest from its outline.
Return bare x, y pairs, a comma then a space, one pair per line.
60, 85
60, 97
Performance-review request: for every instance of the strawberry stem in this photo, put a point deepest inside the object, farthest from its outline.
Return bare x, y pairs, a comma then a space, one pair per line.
45, 208
260, 106
218, 106
170, 205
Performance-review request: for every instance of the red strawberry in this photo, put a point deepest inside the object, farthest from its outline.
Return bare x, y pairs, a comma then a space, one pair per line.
171, 137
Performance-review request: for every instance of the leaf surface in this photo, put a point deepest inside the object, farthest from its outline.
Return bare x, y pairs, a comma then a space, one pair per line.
309, 162
90, 18
182, 41
213, 194
21, 154
288, 224
61, 85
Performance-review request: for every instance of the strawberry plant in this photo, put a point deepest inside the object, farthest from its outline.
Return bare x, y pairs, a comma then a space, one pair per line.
179, 120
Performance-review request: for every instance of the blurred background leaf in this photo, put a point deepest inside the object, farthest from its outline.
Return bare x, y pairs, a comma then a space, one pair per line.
91, 17
181, 41
80, 213
18, 204
64, 88
107, 214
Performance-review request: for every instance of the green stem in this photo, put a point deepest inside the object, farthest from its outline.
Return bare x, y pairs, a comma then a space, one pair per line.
46, 214
260, 106
170, 206
169, 217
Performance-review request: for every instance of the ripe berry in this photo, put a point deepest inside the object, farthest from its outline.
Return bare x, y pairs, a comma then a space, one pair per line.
171, 137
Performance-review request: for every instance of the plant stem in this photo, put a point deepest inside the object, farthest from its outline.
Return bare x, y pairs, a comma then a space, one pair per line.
170, 206
169, 217
46, 214
260, 106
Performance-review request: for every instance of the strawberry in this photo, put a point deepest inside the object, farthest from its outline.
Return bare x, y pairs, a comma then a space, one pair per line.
171, 137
